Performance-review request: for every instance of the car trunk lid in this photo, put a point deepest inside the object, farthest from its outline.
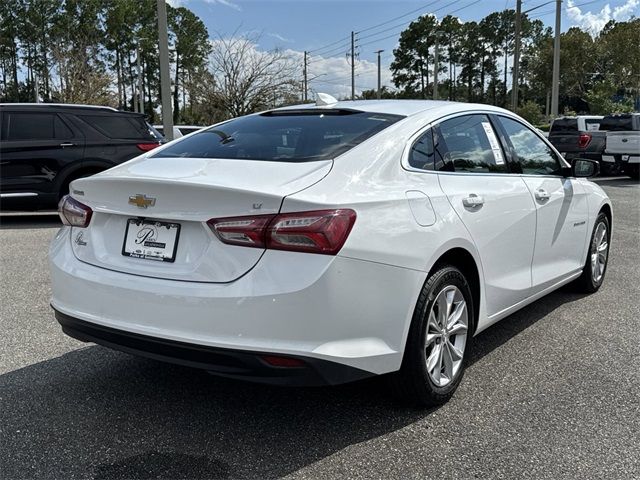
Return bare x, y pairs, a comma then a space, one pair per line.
176, 196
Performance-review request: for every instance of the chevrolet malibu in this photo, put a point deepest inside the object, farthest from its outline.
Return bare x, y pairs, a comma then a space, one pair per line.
325, 243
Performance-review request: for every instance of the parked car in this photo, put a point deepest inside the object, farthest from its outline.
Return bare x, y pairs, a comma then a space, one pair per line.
179, 130
623, 142
320, 244
578, 137
45, 146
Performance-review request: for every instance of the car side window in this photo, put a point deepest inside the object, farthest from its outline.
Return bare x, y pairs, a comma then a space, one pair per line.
469, 144
530, 153
28, 126
422, 154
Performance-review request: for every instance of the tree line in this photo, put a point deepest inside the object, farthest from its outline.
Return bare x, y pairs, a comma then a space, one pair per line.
599, 74
88, 51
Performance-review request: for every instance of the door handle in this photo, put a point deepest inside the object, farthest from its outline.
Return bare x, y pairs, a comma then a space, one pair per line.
67, 144
473, 201
542, 195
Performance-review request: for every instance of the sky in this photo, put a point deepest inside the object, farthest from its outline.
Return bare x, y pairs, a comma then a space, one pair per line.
323, 27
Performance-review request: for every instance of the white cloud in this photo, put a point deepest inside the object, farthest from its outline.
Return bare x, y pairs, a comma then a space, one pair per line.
594, 22
277, 36
226, 3
332, 75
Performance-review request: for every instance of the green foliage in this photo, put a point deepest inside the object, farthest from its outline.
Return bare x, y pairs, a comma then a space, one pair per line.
530, 111
601, 100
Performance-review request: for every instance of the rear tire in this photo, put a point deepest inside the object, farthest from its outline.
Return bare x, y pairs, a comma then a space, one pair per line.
595, 266
435, 354
633, 171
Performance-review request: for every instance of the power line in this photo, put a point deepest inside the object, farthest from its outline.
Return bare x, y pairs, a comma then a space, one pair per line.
399, 17
343, 39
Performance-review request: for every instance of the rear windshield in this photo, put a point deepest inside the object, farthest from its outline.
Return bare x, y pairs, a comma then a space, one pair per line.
284, 136
122, 126
564, 125
617, 123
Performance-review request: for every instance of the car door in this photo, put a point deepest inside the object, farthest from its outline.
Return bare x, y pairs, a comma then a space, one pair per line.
35, 147
561, 205
495, 206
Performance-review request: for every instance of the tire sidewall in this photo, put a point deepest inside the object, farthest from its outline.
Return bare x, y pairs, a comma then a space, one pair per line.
602, 218
437, 282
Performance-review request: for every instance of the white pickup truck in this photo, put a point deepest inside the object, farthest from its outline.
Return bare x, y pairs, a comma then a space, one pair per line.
623, 142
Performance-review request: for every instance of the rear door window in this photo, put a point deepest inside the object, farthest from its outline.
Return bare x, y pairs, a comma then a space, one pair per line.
422, 155
469, 144
284, 136
34, 126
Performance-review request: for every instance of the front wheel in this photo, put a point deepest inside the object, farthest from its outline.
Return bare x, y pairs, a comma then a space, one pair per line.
435, 352
595, 265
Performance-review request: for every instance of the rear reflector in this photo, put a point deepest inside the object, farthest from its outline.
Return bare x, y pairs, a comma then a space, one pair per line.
320, 231
74, 213
584, 140
287, 362
145, 147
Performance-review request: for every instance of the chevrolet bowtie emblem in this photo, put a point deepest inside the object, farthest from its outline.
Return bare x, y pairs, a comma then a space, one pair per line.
141, 201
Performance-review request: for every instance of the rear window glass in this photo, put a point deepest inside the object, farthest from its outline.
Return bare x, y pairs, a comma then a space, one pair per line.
283, 136
120, 126
592, 124
564, 125
619, 123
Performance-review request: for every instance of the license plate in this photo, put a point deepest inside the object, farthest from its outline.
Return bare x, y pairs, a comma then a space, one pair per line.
151, 240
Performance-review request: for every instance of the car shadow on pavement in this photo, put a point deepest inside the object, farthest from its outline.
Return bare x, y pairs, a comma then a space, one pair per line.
617, 182
29, 220
97, 413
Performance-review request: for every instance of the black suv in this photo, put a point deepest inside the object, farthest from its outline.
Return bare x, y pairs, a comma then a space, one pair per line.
43, 147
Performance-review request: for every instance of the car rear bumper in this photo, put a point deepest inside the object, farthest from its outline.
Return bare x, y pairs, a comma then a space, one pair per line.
336, 309
620, 159
239, 364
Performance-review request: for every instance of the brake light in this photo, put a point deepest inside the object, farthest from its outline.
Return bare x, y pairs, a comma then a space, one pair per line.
320, 231
244, 231
74, 213
583, 140
145, 147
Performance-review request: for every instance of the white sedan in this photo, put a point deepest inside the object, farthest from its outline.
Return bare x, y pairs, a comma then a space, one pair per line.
321, 244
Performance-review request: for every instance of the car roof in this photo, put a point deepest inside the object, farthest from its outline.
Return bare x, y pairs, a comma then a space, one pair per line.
66, 106
406, 108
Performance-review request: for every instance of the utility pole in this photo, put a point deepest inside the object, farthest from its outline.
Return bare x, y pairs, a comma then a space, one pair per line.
516, 58
555, 82
165, 80
353, 65
436, 65
304, 81
379, 91
140, 92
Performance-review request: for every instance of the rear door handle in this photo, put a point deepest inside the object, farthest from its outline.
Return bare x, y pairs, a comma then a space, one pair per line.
473, 201
67, 144
541, 194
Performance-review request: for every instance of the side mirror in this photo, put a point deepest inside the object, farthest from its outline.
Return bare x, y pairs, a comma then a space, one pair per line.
581, 168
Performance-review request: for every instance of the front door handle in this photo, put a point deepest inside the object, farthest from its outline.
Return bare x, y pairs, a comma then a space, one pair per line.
542, 195
473, 201
67, 144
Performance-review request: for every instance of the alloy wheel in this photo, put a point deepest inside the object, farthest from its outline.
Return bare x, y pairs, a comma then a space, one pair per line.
446, 336
599, 253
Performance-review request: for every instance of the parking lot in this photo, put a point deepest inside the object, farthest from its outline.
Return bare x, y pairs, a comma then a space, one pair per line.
552, 392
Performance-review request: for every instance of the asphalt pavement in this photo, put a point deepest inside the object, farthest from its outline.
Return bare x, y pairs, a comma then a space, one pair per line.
552, 392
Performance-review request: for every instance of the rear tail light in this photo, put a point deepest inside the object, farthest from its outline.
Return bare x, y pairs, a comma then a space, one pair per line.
74, 213
145, 147
583, 140
244, 231
321, 231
